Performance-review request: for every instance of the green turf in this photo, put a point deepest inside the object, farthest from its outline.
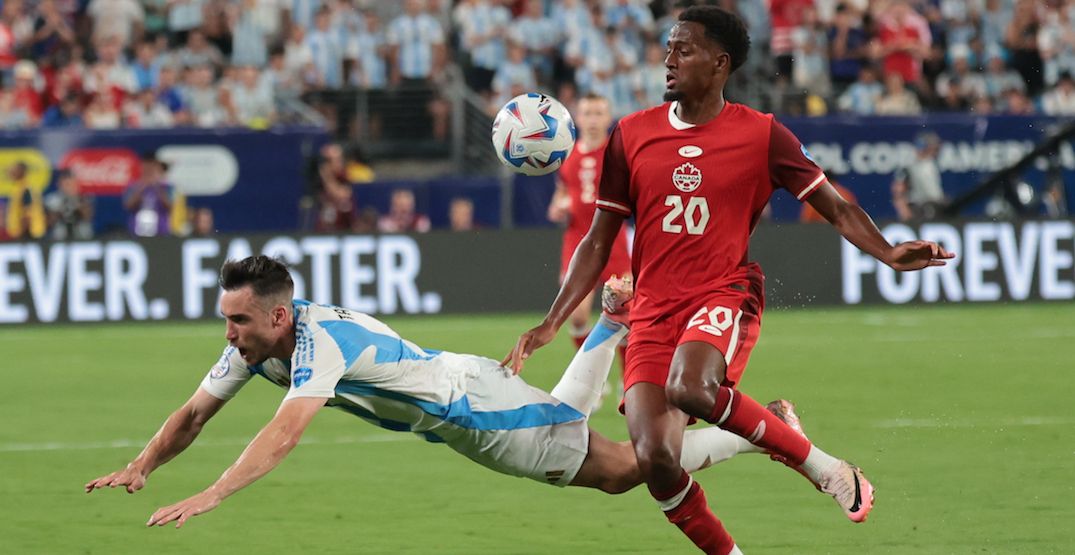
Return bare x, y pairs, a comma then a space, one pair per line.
962, 416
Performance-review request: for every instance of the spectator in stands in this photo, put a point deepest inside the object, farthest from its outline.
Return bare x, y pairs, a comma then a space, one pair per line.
1021, 39
1060, 101
201, 222
981, 106
917, 193
69, 213
12, 116
482, 25
201, 97
369, 51
897, 99
183, 17
52, 33
357, 168
146, 66
26, 93
461, 214
513, 77
326, 52
848, 43
102, 112
110, 71
170, 94
25, 208
863, 95
249, 32
8, 43
198, 51
786, 16
649, 79
634, 21
903, 41
402, 216
538, 35
960, 84
1056, 41
254, 102
335, 199
1017, 103
66, 113
810, 73
148, 200
417, 46
298, 57
999, 78
145, 111
118, 19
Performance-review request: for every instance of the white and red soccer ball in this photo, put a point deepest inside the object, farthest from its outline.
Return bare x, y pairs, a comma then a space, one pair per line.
533, 134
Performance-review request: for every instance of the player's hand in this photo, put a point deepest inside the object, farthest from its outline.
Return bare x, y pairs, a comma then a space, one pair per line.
130, 477
528, 343
182, 511
915, 255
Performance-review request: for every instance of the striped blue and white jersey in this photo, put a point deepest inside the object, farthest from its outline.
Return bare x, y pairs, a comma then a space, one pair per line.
365, 368
327, 54
477, 22
415, 37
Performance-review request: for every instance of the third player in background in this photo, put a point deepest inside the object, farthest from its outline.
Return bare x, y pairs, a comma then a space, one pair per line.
573, 204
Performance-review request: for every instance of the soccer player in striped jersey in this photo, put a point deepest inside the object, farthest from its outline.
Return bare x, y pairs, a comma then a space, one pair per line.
330, 356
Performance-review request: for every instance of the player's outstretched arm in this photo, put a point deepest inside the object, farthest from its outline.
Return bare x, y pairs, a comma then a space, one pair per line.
857, 227
267, 449
177, 433
586, 264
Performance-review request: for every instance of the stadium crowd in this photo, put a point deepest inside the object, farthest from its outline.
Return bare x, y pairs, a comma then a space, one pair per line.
105, 64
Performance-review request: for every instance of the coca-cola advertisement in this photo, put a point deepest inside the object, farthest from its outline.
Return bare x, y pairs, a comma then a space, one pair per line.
102, 171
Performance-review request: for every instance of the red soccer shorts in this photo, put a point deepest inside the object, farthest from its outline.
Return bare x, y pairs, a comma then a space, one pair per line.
728, 319
619, 260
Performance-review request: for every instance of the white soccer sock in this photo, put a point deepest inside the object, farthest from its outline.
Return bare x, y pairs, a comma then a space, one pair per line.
735, 551
709, 446
581, 385
580, 331
818, 463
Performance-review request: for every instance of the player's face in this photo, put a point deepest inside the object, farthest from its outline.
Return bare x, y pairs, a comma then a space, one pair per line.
594, 118
250, 326
692, 62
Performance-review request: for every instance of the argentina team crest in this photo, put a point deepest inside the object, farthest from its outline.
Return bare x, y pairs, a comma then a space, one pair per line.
687, 177
223, 365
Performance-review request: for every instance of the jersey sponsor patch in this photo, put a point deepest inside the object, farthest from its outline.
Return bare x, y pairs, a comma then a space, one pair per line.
806, 153
223, 365
687, 177
301, 376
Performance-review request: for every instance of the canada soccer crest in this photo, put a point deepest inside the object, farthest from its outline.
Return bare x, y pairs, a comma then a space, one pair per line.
687, 178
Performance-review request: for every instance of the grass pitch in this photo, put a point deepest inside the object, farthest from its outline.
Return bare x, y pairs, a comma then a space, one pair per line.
962, 417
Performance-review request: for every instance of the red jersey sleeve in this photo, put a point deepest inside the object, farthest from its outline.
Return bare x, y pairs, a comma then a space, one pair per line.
790, 166
614, 193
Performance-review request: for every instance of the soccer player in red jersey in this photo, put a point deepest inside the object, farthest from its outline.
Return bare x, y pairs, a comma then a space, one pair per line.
574, 202
696, 173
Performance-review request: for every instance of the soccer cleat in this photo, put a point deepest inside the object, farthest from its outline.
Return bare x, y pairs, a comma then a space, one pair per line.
851, 490
616, 296
785, 411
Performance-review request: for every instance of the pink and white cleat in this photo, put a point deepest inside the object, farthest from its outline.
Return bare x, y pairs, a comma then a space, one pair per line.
616, 297
785, 411
851, 490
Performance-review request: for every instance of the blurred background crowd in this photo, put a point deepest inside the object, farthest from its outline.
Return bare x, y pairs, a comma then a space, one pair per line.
357, 67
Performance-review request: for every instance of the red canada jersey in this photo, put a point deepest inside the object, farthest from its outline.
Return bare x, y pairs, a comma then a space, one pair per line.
580, 174
696, 192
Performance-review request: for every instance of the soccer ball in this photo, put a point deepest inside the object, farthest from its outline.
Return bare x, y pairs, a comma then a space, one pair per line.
533, 134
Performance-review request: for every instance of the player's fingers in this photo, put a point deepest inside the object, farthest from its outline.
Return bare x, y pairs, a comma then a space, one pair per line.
936, 262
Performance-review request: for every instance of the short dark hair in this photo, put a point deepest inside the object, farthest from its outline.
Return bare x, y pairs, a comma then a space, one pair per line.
266, 276
723, 27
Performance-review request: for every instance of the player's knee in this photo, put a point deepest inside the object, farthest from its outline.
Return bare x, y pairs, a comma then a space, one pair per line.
691, 398
655, 459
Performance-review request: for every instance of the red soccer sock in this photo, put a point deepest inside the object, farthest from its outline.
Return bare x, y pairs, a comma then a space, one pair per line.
744, 417
686, 507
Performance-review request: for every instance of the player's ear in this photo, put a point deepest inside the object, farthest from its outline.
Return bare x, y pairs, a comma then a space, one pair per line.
722, 62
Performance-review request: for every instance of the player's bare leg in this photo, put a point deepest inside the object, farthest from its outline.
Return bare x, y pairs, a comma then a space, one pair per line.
694, 385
